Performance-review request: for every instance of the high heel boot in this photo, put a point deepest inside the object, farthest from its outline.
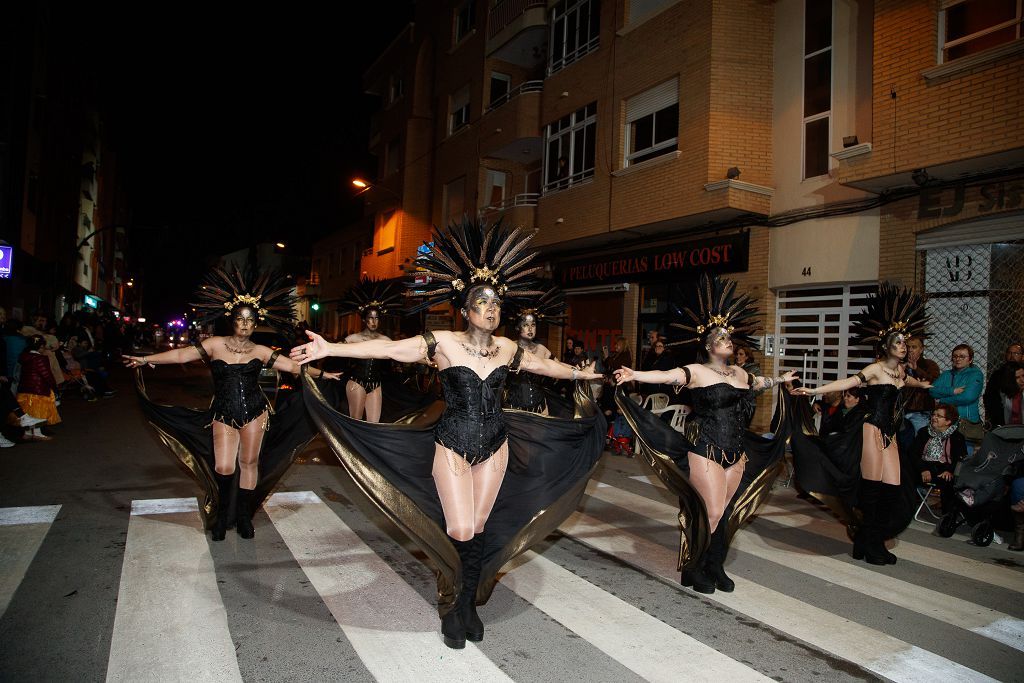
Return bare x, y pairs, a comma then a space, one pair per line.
243, 519
697, 577
870, 544
471, 554
715, 565
225, 484
889, 499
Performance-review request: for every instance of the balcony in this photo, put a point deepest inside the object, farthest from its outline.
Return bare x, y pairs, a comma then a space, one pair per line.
520, 209
510, 126
517, 32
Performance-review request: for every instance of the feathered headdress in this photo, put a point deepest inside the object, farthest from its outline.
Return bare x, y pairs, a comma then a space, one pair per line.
268, 293
470, 253
548, 308
893, 310
368, 294
718, 306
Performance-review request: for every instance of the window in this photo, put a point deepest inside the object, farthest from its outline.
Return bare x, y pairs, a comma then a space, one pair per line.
454, 200
396, 88
569, 145
652, 123
392, 157
817, 86
465, 17
970, 26
387, 227
575, 28
500, 85
458, 110
496, 188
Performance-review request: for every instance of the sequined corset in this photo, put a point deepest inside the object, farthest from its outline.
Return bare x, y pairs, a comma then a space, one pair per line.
524, 391
237, 397
367, 372
722, 412
472, 424
884, 403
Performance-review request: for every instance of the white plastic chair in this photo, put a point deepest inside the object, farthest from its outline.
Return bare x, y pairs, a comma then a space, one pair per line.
655, 402
678, 419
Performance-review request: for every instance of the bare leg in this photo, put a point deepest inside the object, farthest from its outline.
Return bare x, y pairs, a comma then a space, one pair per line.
871, 454
225, 448
891, 465
356, 399
374, 401
249, 454
454, 481
487, 478
711, 482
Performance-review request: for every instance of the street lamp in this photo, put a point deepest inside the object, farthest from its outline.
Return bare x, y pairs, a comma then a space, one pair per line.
280, 245
365, 186
360, 183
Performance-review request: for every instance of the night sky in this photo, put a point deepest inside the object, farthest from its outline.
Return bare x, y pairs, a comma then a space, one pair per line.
237, 127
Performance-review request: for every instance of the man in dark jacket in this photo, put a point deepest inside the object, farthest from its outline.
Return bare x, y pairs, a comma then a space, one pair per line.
1001, 385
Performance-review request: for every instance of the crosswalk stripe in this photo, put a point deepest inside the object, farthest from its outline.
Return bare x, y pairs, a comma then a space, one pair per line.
871, 649
22, 530
395, 632
930, 603
640, 642
170, 622
792, 512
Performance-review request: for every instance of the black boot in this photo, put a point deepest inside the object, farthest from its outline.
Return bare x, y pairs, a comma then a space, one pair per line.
714, 567
870, 533
243, 520
471, 554
1018, 532
888, 502
225, 487
697, 577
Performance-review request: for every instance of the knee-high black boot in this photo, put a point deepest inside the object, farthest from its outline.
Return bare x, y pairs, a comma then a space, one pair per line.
887, 506
698, 578
225, 484
715, 565
868, 544
471, 554
243, 518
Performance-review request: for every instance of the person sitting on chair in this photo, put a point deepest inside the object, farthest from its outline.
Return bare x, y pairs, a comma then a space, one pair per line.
937, 450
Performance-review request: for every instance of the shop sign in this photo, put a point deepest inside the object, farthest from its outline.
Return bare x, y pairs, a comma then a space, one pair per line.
938, 202
6, 260
91, 301
683, 260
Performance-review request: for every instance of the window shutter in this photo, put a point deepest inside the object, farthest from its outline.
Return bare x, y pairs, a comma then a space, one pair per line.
655, 99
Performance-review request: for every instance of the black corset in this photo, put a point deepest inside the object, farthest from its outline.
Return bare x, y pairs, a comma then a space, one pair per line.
884, 405
367, 372
525, 391
471, 424
237, 397
723, 411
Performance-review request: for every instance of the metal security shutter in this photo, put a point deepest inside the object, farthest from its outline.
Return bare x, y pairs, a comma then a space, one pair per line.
812, 332
655, 99
1001, 228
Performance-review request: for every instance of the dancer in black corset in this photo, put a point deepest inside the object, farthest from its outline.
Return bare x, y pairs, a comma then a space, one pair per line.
525, 390
240, 411
890, 318
371, 300
478, 268
723, 401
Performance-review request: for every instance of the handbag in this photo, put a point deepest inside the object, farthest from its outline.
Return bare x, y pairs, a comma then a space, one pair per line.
972, 431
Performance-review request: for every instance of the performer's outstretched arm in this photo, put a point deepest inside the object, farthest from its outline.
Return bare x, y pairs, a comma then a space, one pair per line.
182, 355
838, 385
675, 376
404, 350
552, 368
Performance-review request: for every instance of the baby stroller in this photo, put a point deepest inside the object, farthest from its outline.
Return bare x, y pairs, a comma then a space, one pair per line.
981, 483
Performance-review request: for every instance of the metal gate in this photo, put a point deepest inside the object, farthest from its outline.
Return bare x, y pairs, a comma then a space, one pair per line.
812, 332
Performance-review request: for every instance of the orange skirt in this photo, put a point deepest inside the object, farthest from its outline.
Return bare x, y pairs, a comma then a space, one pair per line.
40, 406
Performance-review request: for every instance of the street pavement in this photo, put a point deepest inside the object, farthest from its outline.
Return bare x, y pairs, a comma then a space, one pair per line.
105, 574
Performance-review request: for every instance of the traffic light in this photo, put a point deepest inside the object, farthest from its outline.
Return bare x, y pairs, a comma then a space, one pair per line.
315, 306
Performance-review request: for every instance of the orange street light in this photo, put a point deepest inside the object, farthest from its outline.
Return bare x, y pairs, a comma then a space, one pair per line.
280, 245
360, 183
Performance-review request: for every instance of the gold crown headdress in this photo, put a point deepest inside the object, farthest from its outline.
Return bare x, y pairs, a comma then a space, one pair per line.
548, 308
893, 310
470, 253
718, 306
369, 294
268, 293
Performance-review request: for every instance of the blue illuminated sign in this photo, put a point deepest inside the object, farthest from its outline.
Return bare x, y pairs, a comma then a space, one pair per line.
6, 259
91, 301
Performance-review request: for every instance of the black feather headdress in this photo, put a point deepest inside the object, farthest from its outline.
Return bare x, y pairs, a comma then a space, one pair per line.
268, 293
548, 308
893, 310
719, 306
469, 253
367, 295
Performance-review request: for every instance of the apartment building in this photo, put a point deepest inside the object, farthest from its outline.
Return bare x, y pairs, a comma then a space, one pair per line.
808, 148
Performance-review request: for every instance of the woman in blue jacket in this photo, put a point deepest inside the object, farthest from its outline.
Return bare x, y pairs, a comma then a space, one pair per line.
961, 386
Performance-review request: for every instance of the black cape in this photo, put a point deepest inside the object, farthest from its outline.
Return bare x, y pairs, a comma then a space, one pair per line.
187, 433
550, 461
665, 450
827, 467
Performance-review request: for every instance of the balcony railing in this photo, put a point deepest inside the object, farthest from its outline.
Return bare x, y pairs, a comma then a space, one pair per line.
524, 199
506, 11
525, 86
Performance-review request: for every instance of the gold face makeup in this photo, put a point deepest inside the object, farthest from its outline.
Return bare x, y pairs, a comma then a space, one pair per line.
528, 327
372, 320
245, 320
